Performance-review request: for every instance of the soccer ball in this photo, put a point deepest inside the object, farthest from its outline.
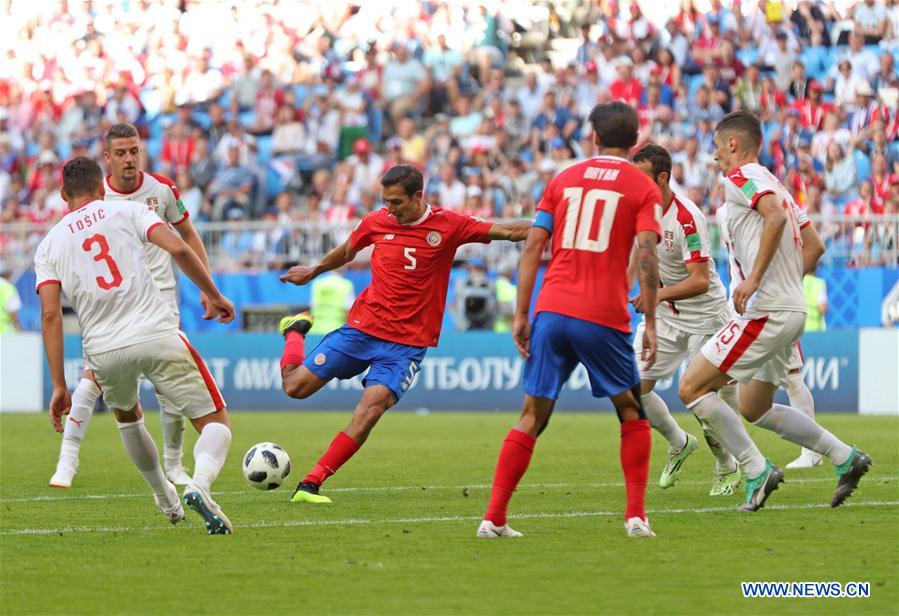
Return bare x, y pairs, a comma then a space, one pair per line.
265, 466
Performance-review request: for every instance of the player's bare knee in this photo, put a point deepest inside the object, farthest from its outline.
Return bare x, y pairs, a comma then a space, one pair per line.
296, 388
688, 390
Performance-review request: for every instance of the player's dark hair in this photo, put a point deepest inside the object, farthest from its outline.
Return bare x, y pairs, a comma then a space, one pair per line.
658, 157
81, 176
744, 122
616, 124
406, 176
120, 131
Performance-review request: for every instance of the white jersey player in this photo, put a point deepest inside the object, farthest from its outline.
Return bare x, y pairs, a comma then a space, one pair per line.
159, 194
797, 391
755, 346
692, 307
96, 256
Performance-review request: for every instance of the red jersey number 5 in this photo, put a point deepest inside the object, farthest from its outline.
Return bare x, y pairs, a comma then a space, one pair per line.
103, 255
580, 214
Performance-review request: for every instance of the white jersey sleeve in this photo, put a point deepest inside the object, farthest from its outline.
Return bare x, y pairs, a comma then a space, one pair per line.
44, 269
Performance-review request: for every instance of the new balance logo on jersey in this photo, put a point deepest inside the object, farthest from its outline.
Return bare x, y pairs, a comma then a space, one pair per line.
388, 236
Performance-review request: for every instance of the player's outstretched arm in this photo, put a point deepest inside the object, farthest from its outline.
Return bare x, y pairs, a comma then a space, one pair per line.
188, 233
51, 330
527, 275
812, 248
337, 258
775, 220
512, 231
191, 265
648, 272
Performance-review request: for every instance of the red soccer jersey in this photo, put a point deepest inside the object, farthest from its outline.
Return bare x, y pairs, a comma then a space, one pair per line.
410, 270
598, 207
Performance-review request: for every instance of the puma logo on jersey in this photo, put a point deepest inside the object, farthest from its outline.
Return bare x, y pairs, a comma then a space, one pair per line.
77, 423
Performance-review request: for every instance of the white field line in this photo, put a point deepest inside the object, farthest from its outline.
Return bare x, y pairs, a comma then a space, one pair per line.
62, 497
362, 522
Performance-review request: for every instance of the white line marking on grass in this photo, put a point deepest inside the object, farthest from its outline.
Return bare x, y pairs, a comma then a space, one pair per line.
358, 522
363, 489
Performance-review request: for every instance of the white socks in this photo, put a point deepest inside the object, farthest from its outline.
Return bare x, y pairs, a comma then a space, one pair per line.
661, 420
794, 426
726, 426
210, 452
172, 436
142, 451
83, 400
724, 462
800, 397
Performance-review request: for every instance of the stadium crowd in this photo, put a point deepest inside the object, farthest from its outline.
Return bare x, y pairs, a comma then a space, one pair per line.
291, 111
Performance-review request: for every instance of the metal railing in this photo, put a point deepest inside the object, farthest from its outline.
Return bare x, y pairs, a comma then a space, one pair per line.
268, 245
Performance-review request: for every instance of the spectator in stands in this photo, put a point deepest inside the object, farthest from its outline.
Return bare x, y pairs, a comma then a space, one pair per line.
880, 178
404, 84
414, 147
322, 131
204, 83
367, 166
288, 133
451, 191
246, 84
798, 87
845, 85
886, 77
125, 103
815, 291
704, 107
674, 39
231, 190
781, 57
812, 109
203, 166
707, 47
269, 98
667, 69
871, 21
748, 90
832, 132
191, 195
811, 23
444, 65
177, 149
864, 62
839, 171
353, 119
218, 125
466, 120
235, 137
719, 89
627, 87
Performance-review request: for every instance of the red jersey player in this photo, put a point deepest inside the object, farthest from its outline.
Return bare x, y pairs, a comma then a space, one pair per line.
393, 321
593, 211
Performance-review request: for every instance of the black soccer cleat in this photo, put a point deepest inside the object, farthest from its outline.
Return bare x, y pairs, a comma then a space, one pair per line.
849, 474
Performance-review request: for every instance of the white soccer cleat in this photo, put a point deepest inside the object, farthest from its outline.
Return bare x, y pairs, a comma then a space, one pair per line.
170, 505
65, 472
807, 459
638, 527
489, 530
177, 475
217, 523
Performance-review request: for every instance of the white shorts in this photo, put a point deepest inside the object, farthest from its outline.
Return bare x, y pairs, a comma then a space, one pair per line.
796, 359
177, 371
760, 349
672, 346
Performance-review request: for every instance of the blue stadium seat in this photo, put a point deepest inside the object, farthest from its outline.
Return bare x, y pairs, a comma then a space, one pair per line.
154, 146
816, 61
748, 56
202, 118
264, 148
247, 118
695, 82
300, 91
862, 165
225, 99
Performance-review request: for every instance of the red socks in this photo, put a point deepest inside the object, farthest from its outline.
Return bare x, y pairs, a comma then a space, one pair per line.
294, 350
514, 458
339, 451
636, 443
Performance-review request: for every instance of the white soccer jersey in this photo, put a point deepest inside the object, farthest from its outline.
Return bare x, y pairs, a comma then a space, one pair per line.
781, 287
96, 254
721, 218
685, 239
160, 195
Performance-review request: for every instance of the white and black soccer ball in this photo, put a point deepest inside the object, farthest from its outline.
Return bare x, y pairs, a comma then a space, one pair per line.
265, 466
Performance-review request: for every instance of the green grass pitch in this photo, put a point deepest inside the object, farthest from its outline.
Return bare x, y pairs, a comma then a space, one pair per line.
399, 537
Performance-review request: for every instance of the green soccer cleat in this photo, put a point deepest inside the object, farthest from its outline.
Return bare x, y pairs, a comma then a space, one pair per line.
849, 474
675, 460
725, 483
760, 488
300, 323
307, 492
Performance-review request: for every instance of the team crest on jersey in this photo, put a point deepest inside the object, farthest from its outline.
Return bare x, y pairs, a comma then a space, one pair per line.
669, 241
152, 202
434, 238
320, 359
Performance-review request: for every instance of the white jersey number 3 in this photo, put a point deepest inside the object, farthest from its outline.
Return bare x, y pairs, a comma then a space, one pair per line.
580, 214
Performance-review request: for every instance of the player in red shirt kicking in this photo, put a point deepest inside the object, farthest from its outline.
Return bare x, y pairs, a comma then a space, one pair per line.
393, 321
592, 212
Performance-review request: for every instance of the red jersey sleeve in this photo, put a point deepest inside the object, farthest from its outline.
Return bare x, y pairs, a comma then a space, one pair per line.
650, 212
470, 229
550, 197
363, 235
